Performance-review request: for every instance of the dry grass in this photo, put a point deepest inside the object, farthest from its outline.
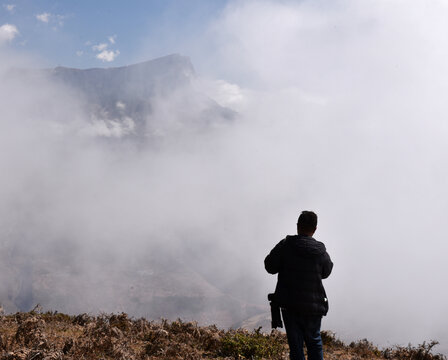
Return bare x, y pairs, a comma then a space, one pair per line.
52, 336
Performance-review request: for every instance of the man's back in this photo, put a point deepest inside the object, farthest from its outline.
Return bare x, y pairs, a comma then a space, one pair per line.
301, 263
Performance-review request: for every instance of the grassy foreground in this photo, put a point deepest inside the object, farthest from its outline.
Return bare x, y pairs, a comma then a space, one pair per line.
51, 336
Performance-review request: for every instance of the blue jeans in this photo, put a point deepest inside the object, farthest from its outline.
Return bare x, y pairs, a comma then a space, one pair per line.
301, 329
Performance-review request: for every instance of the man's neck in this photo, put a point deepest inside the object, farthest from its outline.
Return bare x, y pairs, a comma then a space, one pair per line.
305, 234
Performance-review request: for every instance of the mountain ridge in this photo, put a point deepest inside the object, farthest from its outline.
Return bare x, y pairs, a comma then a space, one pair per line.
142, 100
170, 57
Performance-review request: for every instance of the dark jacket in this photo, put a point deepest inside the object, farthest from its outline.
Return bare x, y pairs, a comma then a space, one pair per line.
301, 263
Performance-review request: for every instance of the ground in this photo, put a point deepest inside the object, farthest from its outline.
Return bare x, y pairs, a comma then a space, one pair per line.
52, 335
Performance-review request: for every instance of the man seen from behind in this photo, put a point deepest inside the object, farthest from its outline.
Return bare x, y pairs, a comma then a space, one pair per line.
301, 263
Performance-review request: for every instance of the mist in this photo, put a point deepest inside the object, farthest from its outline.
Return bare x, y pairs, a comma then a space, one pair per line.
341, 110
347, 99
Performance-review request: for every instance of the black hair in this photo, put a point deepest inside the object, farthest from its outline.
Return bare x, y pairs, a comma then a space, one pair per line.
307, 221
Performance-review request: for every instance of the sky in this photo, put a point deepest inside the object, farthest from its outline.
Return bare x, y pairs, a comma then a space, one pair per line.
342, 109
104, 33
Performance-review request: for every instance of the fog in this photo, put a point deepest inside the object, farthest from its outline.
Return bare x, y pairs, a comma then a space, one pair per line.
341, 110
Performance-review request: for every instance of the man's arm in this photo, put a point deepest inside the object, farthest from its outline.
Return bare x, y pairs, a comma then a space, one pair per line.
327, 266
273, 261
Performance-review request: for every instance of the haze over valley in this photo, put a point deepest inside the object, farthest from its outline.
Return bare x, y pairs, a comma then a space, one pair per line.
152, 279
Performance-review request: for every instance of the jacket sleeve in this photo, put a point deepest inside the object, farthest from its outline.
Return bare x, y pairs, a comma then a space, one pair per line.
327, 266
273, 261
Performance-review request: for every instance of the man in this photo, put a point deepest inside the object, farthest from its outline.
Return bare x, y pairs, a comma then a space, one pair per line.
301, 263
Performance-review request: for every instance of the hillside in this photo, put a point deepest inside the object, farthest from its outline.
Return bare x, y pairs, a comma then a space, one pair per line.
139, 101
38, 336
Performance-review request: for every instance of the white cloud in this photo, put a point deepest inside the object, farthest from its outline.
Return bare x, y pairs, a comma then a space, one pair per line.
120, 105
10, 7
44, 17
225, 93
47, 18
100, 47
370, 71
8, 32
108, 55
60, 19
79, 53
104, 54
110, 128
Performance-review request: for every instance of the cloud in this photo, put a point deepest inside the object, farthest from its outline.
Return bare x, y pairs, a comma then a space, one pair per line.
355, 91
100, 47
108, 55
79, 53
44, 17
60, 19
109, 128
104, 54
47, 18
225, 93
8, 32
10, 7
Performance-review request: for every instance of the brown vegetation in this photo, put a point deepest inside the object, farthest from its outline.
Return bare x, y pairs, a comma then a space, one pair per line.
51, 336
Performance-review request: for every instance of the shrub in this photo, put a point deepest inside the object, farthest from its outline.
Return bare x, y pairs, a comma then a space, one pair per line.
252, 345
420, 352
365, 348
329, 339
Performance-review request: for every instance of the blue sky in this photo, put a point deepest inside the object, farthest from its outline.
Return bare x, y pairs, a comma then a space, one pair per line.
104, 32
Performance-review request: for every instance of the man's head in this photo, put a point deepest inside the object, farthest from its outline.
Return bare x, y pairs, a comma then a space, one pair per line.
307, 223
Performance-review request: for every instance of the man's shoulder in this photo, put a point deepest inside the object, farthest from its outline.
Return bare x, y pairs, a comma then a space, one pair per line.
289, 238
301, 244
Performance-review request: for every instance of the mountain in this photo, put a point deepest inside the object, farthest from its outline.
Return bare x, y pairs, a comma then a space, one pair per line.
132, 95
